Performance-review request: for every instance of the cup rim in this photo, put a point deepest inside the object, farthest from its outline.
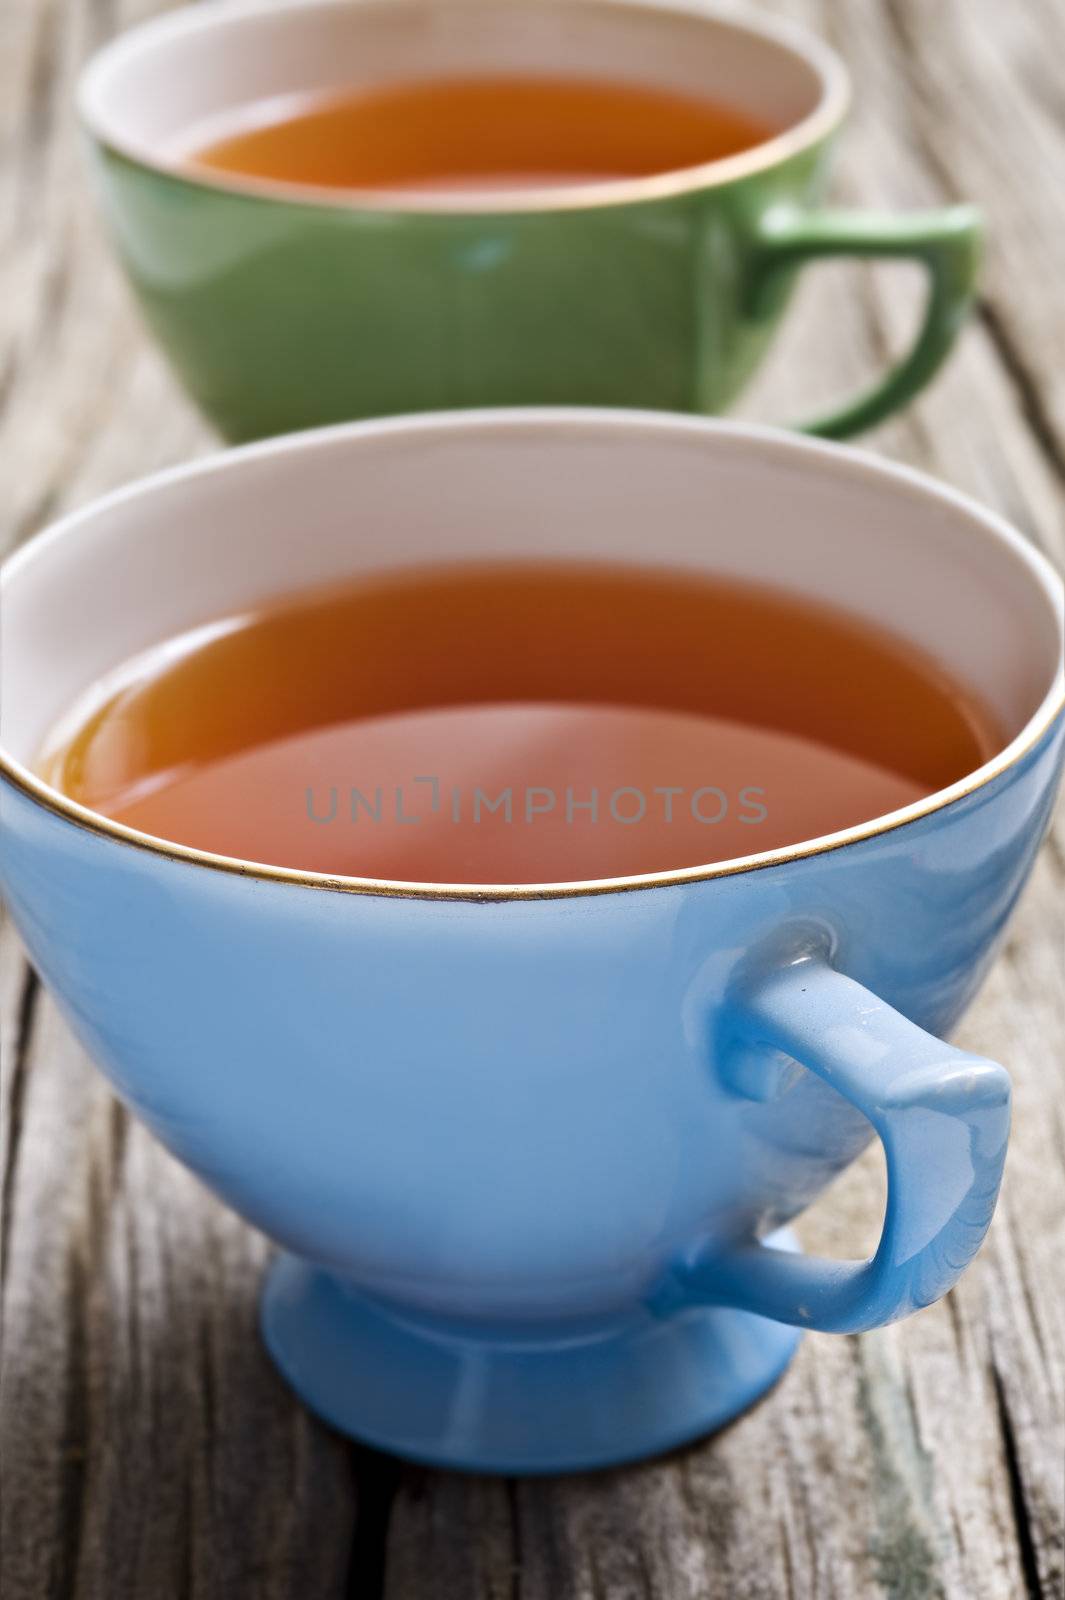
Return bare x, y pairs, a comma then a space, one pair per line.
827, 114
771, 440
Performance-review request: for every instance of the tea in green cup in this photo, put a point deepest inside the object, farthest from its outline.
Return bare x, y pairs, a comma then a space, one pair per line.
461, 135
348, 208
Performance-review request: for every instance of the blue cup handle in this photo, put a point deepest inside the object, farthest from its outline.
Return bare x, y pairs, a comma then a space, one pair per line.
943, 1117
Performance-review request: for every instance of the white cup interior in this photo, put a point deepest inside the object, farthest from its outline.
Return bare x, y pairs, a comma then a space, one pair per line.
222, 536
174, 85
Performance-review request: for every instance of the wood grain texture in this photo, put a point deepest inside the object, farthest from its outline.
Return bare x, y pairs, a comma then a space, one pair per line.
149, 1451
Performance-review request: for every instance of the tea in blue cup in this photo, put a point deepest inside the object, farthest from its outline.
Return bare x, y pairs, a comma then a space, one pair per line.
530, 1146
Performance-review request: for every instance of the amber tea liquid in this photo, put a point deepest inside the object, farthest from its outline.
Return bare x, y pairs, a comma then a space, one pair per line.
479, 133
517, 724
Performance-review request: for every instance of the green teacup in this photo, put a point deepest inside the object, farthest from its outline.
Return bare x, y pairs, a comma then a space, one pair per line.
286, 307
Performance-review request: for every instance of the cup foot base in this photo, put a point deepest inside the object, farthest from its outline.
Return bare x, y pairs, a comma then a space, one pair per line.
450, 1399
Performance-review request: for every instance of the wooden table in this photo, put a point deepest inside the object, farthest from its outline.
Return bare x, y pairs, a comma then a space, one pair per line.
149, 1449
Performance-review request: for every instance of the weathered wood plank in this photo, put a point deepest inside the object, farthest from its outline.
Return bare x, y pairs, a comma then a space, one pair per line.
85, 400
148, 1448
986, 95
971, 427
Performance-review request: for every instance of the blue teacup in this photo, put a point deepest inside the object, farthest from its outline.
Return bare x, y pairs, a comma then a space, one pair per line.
528, 1151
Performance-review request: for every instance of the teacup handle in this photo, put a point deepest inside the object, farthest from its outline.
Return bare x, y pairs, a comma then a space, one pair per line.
943, 1117
946, 242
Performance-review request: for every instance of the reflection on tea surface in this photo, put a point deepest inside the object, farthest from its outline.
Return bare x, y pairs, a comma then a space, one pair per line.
478, 133
519, 723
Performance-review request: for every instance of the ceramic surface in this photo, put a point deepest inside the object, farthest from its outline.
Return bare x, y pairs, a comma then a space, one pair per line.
283, 308
523, 1147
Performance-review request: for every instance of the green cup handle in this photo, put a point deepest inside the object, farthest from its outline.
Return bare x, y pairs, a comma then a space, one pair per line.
946, 242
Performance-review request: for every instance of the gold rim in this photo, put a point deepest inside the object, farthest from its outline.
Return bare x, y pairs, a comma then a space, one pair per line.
821, 121
92, 822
